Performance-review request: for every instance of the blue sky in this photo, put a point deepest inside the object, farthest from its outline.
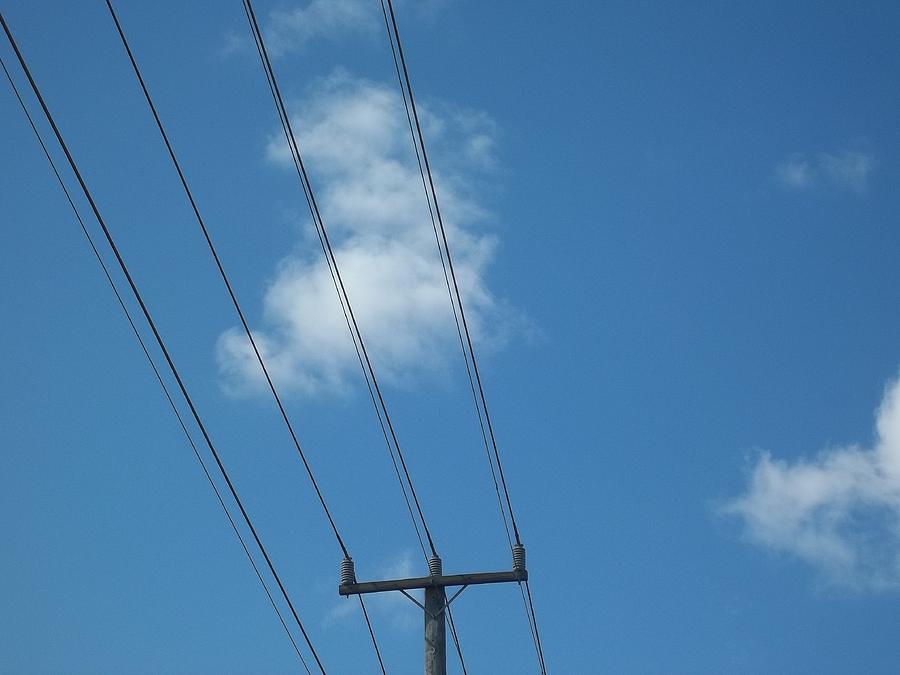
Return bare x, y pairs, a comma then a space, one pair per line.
678, 233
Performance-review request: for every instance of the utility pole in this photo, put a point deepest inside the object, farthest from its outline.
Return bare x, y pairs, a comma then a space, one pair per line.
436, 602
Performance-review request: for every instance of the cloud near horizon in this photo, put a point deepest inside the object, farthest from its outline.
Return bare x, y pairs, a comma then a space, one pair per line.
354, 139
839, 511
848, 170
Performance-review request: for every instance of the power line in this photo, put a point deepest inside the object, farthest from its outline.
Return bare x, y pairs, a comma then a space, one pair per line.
440, 249
152, 324
330, 259
222, 273
150, 360
234, 300
347, 309
409, 121
455, 636
372, 634
282, 116
443, 231
537, 633
431, 197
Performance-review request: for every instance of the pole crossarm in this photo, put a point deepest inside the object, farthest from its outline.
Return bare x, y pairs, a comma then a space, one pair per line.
436, 605
441, 581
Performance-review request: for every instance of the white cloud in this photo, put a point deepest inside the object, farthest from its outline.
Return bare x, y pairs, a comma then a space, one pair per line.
848, 170
795, 172
232, 43
290, 30
355, 142
839, 512
394, 607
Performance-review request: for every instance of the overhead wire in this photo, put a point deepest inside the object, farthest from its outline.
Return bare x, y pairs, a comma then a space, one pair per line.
537, 632
224, 276
330, 259
233, 297
456, 301
452, 306
282, 116
443, 232
112, 284
374, 389
156, 334
365, 612
440, 249
456, 643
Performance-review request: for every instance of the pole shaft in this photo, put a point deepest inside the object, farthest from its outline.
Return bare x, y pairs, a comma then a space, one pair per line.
435, 632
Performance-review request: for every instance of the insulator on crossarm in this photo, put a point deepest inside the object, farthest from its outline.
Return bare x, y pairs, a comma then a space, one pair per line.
518, 552
348, 571
435, 566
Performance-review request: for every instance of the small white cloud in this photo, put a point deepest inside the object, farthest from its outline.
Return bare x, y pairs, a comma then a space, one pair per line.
395, 608
289, 30
233, 43
839, 512
795, 172
354, 139
848, 170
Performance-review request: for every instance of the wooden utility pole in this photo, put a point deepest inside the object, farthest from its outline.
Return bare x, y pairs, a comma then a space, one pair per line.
435, 624
436, 602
